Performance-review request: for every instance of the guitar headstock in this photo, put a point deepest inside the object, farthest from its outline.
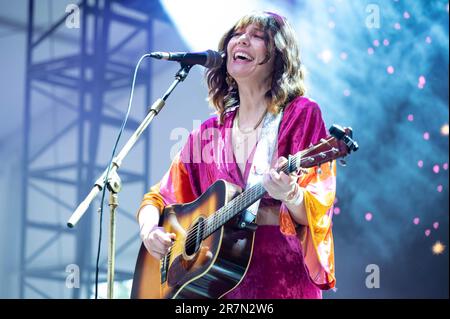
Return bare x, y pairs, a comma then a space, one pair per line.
338, 145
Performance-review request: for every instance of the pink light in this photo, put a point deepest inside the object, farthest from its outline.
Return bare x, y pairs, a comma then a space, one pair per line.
386, 42
337, 210
410, 117
397, 26
390, 69
416, 221
331, 24
420, 163
427, 232
368, 217
426, 136
436, 169
331, 9
370, 51
435, 225
422, 79
406, 15
439, 188
346, 92
422, 82
376, 43
428, 40
445, 166
343, 56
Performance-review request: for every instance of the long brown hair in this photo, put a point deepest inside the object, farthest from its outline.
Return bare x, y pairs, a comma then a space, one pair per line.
288, 74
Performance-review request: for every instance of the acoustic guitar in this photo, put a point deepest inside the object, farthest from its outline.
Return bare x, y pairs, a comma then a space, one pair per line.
213, 247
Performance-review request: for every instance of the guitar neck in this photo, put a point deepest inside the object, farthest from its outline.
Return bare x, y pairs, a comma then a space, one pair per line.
234, 207
326, 150
313, 156
245, 199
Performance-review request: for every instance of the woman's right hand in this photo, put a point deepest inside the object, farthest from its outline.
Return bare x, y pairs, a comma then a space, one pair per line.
158, 241
155, 239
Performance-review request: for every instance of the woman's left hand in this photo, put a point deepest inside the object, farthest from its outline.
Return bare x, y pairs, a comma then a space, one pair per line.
279, 185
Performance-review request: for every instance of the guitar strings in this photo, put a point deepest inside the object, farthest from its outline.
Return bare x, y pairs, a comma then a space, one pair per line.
215, 221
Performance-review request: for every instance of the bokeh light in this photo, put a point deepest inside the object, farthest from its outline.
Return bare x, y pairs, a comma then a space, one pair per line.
444, 129
422, 82
438, 248
436, 169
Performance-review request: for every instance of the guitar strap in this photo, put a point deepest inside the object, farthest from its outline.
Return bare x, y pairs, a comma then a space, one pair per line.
262, 160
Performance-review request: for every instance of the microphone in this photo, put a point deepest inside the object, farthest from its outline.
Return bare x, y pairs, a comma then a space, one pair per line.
209, 58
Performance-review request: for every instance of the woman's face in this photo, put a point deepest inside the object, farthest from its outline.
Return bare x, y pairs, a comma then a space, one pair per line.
246, 50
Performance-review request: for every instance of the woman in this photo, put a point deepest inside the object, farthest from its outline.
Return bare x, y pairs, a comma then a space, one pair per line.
261, 80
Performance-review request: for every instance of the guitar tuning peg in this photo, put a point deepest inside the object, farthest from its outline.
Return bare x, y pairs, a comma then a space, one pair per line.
342, 162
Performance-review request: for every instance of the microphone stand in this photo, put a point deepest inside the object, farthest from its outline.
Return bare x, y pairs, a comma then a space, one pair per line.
114, 184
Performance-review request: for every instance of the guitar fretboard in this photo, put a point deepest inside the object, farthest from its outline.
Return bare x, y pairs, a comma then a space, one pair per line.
244, 200
251, 195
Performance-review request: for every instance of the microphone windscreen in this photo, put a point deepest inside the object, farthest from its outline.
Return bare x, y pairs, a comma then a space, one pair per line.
214, 59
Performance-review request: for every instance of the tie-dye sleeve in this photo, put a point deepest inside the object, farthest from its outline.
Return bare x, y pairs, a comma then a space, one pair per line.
178, 185
319, 189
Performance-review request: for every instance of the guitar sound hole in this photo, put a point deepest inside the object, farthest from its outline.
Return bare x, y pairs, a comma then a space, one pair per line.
195, 237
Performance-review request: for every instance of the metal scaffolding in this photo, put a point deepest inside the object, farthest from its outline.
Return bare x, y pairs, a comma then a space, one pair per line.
76, 86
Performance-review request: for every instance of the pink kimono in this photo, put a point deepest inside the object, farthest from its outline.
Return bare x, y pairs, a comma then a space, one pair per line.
289, 260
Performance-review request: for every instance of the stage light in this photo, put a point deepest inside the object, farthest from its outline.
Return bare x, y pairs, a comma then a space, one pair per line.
444, 130
436, 169
390, 69
325, 56
438, 248
203, 31
422, 82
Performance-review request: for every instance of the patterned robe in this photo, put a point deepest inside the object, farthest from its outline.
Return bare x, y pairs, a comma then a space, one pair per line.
298, 260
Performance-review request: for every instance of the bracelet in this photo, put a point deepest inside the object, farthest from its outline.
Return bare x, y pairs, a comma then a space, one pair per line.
295, 197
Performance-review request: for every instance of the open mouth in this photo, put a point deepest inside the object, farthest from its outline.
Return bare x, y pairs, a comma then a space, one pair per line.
242, 56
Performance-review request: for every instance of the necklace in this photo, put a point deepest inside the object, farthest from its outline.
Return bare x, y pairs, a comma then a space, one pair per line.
251, 129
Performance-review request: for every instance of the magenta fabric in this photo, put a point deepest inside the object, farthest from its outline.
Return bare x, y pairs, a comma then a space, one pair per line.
276, 270
208, 157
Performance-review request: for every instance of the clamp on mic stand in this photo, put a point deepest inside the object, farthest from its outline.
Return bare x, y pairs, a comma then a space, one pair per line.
114, 184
